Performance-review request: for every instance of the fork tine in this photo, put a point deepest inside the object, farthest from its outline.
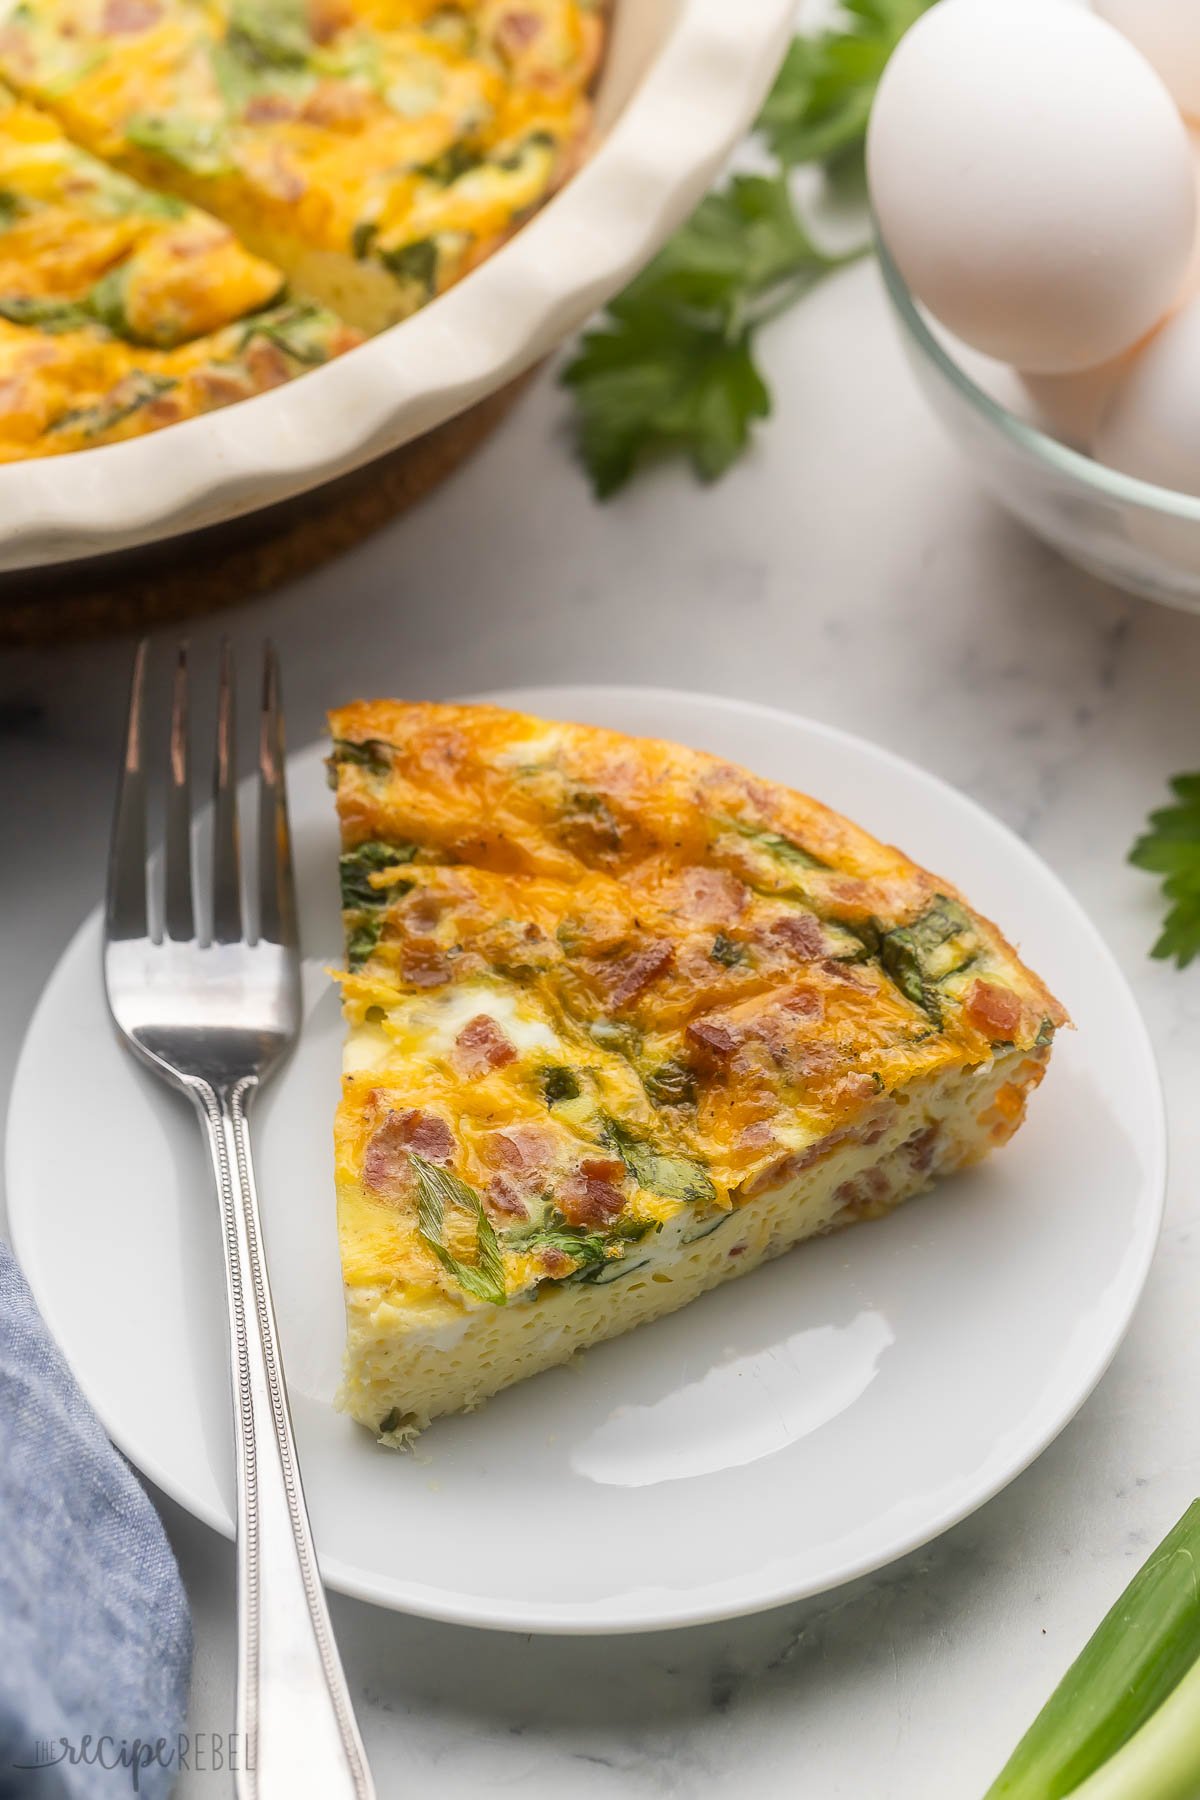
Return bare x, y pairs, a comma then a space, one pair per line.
226, 900
126, 900
178, 906
276, 883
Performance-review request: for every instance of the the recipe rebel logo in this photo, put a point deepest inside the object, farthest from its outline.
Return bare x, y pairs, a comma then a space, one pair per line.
201, 1753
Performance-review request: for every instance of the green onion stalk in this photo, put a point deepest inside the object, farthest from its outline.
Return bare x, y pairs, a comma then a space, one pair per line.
1124, 1722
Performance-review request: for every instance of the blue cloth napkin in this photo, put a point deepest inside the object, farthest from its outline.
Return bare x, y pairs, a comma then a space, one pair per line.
95, 1637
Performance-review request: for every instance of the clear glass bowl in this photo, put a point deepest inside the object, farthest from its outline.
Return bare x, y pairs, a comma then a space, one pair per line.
1141, 537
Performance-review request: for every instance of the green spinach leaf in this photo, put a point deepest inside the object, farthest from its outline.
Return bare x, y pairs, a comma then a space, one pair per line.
436, 1190
372, 754
658, 1171
559, 1083
373, 858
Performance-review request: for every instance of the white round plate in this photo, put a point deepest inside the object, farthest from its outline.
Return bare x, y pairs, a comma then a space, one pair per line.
779, 1436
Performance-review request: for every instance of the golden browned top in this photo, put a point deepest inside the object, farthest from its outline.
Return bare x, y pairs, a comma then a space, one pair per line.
406, 138
671, 979
82, 246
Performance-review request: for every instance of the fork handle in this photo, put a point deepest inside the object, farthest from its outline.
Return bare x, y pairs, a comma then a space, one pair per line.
297, 1731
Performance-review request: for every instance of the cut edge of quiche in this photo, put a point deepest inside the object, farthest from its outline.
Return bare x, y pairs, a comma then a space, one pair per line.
624, 1022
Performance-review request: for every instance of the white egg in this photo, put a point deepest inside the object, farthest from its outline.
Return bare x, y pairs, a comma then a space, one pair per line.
1071, 407
1151, 427
1032, 179
1168, 33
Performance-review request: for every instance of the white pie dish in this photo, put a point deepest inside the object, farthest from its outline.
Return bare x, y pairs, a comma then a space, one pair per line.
682, 80
847, 1403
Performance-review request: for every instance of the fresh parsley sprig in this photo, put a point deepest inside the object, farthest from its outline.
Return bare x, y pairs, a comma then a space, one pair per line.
818, 109
1171, 848
670, 368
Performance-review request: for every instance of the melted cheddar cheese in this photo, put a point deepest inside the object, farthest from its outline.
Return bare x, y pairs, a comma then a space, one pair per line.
374, 151
74, 389
317, 169
605, 997
82, 246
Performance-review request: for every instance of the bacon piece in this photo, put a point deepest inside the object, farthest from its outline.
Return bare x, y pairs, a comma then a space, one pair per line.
516, 31
264, 109
424, 966
603, 1168
335, 104
800, 933
996, 1011
525, 1150
797, 1163
846, 974
327, 17
556, 1263
184, 245
386, 1165
921, 1147
482, 1045
805, 1003
267, 364
854, 1085
502, 1201
125, 18
711, 896
782, 1029
217, 386
712, 1039
422, 910
631, 975
277, 177
590, 1196
865, 1193
862, 897
14, 47
806, 1158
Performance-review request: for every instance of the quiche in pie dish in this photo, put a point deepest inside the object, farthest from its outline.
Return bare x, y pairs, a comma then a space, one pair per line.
623, 1022
175, 165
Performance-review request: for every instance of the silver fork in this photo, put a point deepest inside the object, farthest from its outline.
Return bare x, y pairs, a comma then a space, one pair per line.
213, 1011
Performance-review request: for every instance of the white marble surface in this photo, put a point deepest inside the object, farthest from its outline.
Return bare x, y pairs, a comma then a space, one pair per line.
848, 570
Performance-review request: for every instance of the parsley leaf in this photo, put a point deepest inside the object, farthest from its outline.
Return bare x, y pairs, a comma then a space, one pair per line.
1171, 848
670, 368
656, 383
818, 109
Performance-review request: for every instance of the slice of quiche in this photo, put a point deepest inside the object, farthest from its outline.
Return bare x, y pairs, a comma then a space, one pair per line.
374, 150
82, 245
71, 386
624, 1022
122, 310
